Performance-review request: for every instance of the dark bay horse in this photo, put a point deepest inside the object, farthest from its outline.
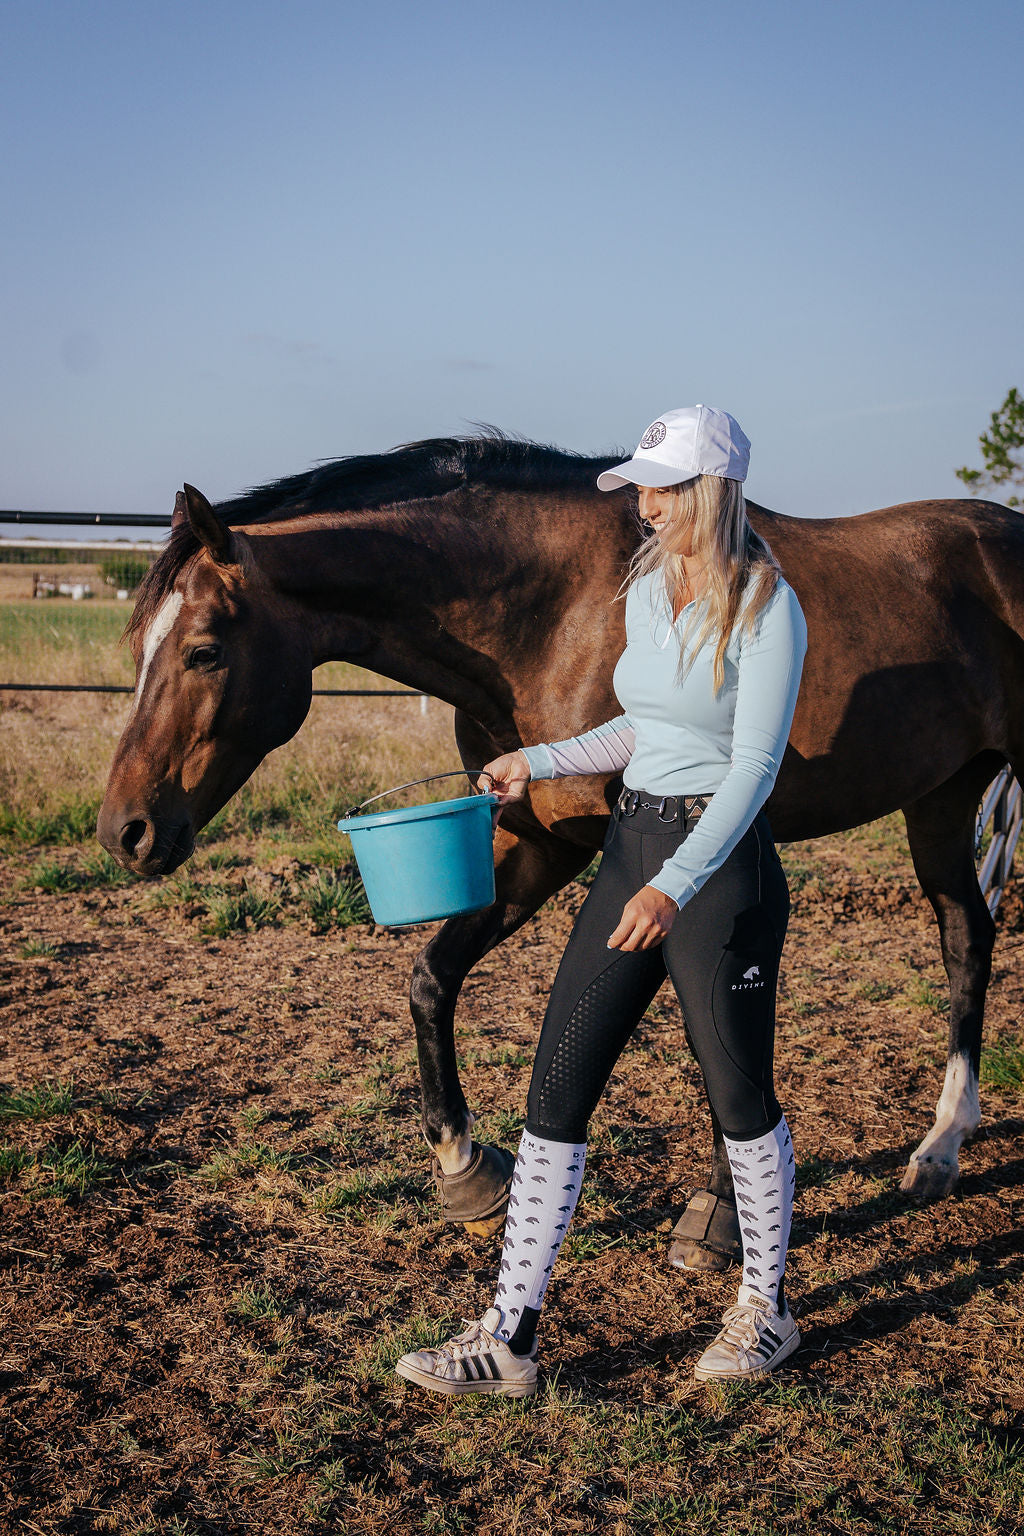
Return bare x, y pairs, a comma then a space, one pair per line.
483, 571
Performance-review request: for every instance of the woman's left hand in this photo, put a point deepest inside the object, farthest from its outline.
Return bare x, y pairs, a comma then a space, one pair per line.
646, 919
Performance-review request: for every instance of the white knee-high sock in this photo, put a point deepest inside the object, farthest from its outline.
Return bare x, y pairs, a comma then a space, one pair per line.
764, 1174
545, 1188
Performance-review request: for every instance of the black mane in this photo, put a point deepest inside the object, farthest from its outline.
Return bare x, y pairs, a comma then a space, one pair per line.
411, 472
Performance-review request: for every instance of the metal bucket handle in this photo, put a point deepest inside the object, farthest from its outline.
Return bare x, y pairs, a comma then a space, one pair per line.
457, 773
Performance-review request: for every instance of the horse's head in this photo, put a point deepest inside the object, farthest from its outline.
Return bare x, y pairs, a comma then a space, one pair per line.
223, 675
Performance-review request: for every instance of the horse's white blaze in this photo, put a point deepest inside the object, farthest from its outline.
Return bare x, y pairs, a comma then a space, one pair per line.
454, 1152
156, 634
957, 1115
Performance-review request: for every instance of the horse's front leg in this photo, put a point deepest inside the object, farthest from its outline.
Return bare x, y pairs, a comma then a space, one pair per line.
940, 829
473, 1180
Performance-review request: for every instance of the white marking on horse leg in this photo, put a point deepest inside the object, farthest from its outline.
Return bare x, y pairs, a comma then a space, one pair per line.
453, 1151
156, 634
957, 1116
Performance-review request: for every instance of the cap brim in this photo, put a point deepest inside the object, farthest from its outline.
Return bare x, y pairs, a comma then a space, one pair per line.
642, 472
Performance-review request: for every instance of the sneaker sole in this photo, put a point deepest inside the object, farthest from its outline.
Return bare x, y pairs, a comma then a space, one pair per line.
702, 1373
457, 1388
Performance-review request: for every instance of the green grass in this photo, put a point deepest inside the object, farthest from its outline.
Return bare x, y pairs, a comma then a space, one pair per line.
89, 871
55, 1172
334, 899
39, 949
922, 993
256, 1303
39, 1102
240, 912
68, 821
1002, 1065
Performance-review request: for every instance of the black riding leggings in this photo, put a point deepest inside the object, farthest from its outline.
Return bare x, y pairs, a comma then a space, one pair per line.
722, 956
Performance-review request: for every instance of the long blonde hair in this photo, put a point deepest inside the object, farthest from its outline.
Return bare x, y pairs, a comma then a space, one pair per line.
741, 571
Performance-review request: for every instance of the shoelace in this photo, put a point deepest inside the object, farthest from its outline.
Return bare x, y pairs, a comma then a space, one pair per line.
473, 1340
740, 1327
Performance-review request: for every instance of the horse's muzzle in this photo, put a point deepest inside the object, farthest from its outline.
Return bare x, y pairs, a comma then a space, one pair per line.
146, 846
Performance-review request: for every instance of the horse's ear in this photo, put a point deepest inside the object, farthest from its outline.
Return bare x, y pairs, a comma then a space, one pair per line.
207, 526
180, 513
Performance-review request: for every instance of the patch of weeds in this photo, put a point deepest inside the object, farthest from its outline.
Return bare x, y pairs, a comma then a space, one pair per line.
361, 1196
252, 1157
252, 1117
812, 1172
223, 858
13, 1161
256, 1303
335, 899
39, 1102
62, 1173
921, 993
72, 822
873, 991
1002, 1065
231, 912
39, 949
52, 875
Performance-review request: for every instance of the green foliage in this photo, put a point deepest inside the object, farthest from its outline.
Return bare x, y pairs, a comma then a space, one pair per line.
38, 1102
335, 899
1002, 448
123, 571
1002, 1065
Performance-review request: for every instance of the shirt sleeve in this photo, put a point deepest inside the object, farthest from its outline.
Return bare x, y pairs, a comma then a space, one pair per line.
605, 749
769, 665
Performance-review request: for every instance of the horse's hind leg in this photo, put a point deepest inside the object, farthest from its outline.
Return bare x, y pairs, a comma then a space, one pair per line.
473, 1180
940, 829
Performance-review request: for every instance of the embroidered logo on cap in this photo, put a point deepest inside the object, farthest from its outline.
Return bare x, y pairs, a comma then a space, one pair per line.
654, 435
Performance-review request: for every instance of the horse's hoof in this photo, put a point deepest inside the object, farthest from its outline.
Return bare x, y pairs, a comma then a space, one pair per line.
489, 1228
686, 1255
478, 1195
707, 1234
930, 1178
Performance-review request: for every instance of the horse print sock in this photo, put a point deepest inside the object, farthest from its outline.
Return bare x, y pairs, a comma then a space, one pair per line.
764, 1175
545, 1188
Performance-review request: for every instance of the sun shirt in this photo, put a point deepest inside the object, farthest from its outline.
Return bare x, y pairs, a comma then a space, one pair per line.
678, 737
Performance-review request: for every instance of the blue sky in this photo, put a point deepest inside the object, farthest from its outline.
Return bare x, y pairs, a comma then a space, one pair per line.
239, 238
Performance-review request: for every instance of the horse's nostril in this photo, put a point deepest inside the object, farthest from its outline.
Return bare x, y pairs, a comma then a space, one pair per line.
132, 834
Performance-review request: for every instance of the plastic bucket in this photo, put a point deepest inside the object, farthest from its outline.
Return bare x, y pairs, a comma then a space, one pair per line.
426, 862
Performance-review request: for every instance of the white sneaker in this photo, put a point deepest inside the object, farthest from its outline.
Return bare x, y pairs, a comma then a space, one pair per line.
474, 1361
755, 1339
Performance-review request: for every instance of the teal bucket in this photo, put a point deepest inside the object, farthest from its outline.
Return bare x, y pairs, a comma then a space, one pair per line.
427, 862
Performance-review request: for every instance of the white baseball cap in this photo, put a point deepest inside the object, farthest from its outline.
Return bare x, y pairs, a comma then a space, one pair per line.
680, 445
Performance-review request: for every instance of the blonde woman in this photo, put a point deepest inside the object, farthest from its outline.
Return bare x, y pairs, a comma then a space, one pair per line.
690, 886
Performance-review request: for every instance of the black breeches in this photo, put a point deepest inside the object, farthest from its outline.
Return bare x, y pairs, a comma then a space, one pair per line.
722, 956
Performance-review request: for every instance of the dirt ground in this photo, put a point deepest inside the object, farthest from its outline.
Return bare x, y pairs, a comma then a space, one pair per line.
199, 1336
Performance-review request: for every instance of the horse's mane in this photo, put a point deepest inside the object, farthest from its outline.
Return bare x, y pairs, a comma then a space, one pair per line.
411, 472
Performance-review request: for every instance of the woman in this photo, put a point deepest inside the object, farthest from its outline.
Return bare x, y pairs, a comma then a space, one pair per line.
690, 885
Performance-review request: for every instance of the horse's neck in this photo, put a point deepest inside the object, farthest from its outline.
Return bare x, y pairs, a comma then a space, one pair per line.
461, 602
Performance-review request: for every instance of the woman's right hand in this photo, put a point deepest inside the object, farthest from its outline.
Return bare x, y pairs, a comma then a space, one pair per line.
508, 775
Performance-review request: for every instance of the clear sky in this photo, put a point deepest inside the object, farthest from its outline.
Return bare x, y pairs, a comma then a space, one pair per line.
241, 237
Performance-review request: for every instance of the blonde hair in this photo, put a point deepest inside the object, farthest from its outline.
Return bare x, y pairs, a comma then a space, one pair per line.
741, 571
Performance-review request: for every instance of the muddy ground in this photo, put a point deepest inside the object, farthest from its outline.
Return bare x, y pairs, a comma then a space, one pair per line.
198, 1334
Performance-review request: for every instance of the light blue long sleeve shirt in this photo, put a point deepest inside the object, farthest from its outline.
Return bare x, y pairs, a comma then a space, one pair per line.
678, 737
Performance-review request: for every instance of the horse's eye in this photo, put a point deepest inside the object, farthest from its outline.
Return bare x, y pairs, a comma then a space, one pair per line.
202, 658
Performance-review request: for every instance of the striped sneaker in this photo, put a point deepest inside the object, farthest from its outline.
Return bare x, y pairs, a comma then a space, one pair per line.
755, 1339
474, 1361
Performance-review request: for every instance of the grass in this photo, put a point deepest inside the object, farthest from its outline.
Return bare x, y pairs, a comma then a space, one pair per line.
40, 1102
55, 1172
335, 899
1002, 1065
